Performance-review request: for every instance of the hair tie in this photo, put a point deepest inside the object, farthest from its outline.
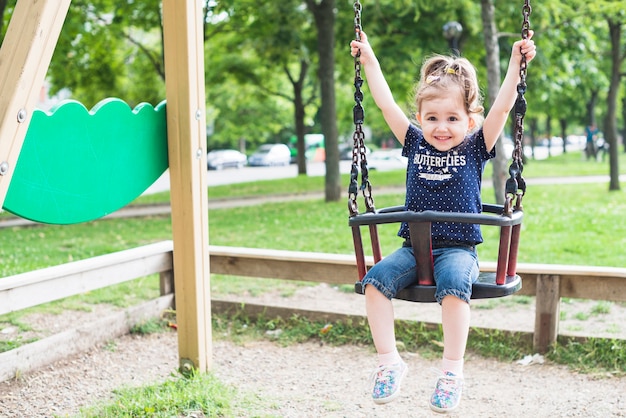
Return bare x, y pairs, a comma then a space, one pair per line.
432, 78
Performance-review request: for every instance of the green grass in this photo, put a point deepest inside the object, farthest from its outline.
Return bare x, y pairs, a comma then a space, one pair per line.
178, 396
564, 224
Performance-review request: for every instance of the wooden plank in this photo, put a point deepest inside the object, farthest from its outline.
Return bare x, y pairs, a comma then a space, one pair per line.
166, 282
546, 312
186, 128
25, 55
93, 263
573, 271
45, 285
594, 287
290, 265
586, 282
56, 347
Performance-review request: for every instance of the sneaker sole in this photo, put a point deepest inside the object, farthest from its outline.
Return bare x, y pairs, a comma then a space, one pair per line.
443, 410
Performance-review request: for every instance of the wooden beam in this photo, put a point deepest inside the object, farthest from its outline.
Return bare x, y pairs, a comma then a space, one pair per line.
546, 313
290, 265
35, 287
186, 130
25, 55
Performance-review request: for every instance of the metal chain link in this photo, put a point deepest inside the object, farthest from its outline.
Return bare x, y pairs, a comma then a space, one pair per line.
358, 149
516, 185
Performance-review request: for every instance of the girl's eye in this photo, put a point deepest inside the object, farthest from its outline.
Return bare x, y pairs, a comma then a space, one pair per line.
453, 118
431, 118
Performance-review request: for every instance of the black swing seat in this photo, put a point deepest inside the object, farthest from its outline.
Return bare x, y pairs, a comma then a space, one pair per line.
503, 282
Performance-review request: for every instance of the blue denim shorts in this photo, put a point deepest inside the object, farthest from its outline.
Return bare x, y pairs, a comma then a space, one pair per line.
455, 269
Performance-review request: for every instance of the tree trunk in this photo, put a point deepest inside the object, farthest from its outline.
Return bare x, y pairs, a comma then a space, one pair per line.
610, 128
534, 126
493, 85
563, 122
299, 114
591, 108
549, 134
624, 123
324, 14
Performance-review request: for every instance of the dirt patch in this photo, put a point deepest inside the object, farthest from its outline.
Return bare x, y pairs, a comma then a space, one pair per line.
313, 380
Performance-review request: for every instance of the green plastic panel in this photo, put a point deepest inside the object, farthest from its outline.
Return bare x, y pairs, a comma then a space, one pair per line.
78, 165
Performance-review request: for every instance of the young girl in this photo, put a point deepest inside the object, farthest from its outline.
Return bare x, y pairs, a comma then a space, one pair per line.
446, 156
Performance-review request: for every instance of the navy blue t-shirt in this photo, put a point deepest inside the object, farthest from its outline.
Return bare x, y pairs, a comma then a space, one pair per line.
447, 181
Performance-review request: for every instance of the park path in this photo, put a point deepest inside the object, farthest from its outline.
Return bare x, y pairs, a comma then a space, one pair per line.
164, 209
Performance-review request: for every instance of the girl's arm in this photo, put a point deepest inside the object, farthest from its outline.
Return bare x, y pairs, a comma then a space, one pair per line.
499, 112
394, 116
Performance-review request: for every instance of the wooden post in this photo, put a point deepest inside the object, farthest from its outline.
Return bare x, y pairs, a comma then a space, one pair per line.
166, 283
24, 60
547, 312
186, 130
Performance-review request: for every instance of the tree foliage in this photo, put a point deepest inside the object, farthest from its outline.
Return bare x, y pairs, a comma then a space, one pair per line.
263, 68
110, 48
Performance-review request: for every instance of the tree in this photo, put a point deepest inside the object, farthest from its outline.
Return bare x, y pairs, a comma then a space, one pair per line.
110, 48
615, 23
324, 14
493, 86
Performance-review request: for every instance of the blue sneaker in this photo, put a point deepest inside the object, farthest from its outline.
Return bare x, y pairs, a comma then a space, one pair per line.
387, 381
447, 394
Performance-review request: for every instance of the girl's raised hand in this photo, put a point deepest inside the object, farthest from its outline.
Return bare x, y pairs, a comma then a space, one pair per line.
524, 46
367, 54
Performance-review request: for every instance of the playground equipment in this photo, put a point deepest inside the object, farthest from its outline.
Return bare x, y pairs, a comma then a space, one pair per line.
24, 59
81, 166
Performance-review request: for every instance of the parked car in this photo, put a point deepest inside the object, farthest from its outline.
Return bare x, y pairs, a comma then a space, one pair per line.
225, 158
271, 154
389, 159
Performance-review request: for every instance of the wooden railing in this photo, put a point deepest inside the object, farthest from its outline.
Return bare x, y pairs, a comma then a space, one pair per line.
547, 282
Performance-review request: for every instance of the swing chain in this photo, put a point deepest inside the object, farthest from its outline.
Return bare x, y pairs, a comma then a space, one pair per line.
516, 185
358, 149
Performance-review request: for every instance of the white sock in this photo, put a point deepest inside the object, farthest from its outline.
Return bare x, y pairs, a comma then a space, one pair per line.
454, 366
387, 359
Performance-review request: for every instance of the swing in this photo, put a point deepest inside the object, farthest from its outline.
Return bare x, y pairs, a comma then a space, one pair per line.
508, 217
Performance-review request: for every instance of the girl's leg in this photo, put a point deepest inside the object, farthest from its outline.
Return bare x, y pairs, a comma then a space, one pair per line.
380, 317
381, 283
387, 378
455, 320
455, 271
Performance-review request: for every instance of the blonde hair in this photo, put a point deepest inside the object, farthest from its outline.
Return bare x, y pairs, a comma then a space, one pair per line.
440, 74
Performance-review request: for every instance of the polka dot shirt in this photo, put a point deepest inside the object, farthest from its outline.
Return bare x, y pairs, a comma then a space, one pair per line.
447, 182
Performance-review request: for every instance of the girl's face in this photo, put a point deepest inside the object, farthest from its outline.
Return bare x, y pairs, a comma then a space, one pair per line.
444, 121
